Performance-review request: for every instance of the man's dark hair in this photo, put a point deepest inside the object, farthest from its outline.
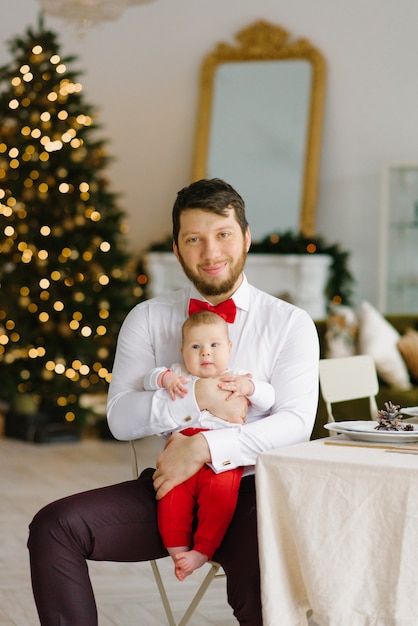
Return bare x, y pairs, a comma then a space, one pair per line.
212, 195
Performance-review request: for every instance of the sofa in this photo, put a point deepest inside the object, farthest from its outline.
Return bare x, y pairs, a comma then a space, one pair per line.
405, 326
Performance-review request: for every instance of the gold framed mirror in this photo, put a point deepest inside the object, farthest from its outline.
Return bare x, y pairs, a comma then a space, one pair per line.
259, 125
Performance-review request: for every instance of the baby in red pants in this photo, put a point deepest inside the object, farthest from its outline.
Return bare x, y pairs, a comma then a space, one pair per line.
208, 497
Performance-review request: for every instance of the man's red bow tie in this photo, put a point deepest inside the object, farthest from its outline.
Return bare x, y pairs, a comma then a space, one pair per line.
227, 309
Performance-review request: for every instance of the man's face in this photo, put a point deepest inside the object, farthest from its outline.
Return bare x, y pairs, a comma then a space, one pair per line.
212, 251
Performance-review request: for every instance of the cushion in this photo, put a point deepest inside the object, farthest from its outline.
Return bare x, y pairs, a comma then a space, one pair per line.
408, 347
341, 332
379, 339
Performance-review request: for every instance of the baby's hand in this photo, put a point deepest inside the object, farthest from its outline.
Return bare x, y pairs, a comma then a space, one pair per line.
174, 383
237, 385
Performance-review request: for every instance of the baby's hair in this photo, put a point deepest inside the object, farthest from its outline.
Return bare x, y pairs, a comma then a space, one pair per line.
201, 318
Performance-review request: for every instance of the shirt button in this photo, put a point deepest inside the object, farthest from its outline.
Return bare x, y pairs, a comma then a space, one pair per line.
188, 418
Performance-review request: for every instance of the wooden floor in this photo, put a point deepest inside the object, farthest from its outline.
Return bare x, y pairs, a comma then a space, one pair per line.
32, 475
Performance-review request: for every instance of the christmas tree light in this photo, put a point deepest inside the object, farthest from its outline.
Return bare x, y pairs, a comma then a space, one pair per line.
65, 278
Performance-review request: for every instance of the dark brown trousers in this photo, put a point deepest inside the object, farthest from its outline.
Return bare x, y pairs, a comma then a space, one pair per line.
119, 523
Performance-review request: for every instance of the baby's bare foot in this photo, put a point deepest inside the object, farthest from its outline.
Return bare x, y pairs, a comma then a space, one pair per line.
185, 563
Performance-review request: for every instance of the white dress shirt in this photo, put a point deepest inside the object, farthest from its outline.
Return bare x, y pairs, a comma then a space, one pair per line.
274, 340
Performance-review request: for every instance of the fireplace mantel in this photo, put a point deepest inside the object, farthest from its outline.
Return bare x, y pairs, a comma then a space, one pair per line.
297, 278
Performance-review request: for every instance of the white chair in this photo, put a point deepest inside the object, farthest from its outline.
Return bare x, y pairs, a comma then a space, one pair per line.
210, 576
348, 378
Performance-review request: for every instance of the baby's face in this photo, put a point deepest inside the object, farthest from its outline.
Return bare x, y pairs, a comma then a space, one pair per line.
206, 350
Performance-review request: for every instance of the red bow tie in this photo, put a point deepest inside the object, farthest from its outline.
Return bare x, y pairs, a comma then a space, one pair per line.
226, 309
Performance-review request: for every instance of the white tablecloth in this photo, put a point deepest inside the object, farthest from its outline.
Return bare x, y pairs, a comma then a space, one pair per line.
338, 533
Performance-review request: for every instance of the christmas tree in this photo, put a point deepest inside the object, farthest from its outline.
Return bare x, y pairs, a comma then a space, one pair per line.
65, 280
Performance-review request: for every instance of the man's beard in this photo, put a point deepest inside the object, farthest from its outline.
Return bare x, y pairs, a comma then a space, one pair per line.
207, 288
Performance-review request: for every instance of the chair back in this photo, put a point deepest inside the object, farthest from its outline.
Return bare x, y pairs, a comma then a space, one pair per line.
348, 378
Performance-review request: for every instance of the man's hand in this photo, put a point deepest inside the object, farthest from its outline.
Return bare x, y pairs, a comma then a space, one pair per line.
181, 458
219, 402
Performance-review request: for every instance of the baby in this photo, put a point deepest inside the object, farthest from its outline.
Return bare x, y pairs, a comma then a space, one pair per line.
206, 349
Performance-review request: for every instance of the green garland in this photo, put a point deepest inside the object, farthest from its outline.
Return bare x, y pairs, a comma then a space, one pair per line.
339, 289
340, 283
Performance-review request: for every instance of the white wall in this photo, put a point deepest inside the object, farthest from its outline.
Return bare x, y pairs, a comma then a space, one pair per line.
142, 72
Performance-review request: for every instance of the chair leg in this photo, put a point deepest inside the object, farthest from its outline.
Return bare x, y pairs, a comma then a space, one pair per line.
213, 571
214, 567
163, 593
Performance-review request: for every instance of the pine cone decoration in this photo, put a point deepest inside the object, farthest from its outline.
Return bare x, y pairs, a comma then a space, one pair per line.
388, 418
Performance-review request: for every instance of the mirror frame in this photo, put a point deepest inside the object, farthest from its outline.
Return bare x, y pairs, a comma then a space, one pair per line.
262, 41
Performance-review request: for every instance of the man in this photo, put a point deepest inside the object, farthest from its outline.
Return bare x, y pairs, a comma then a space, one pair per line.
274, 340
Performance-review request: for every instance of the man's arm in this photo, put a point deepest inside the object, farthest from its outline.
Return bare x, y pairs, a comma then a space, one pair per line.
133, 412
289, 357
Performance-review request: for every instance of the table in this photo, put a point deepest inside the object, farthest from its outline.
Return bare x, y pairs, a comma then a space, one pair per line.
338, 534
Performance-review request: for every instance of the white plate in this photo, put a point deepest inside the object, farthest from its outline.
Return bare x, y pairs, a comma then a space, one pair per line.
410, 410
359, 430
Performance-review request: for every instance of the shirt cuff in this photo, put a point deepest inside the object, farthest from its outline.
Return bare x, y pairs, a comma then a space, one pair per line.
151, 381
224, 448
185, 411
263, 396
257, 396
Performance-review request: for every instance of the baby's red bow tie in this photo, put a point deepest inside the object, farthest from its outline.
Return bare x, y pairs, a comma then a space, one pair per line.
226, 309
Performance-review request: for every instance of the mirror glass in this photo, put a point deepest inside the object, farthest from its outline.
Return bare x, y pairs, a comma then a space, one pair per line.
259, 126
